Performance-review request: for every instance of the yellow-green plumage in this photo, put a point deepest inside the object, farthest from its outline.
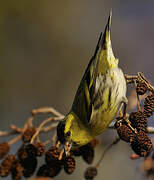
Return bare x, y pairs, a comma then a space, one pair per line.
100, 94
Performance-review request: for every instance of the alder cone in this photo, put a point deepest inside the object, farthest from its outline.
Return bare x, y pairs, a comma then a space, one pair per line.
52, 155
142, 144
40, 147
4, 149
69, 165
139, 121
88, 155
125, 133
149, 105
141, 88
17, 171
29, 166
90, 173
28, 134
6, 165
48, 171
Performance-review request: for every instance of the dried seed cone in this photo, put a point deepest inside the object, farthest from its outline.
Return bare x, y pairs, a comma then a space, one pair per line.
28, 133
141, 88
90, 173
17, 170
148, 112
29, 166
4, 171
69, 165
87, 153
139, 121
48, 171
6, 165
141, 144
51, 156
26, 151
9, 160
27, 157
149, 105
22, 153
40, 147
31, 150
125, 133
4, 149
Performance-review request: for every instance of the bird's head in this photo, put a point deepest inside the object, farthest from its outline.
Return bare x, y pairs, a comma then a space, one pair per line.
71, 132
64, 135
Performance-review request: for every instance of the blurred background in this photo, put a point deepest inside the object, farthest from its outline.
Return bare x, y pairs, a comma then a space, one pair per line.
45, 47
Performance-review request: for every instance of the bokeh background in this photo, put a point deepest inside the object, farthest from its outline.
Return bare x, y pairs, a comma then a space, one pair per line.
45, 47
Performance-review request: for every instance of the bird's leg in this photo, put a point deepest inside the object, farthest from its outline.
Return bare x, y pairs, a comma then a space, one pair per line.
125, 102
125, 118
125, 110
122, 114
138, 99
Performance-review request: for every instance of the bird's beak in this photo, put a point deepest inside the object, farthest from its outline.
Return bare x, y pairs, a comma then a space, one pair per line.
67, 148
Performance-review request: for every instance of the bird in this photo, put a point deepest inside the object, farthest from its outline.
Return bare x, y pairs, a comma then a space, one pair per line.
99, 97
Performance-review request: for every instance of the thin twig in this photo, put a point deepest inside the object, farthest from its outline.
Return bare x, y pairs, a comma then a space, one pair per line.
42, 124
132, 100
12, 141
46, 142
143, 78
138, 99
38, 139
106, 150
49, 128
150, 129
30, 121
7, 133
15, 128
45, 110
140, 77
130, 126
130, 78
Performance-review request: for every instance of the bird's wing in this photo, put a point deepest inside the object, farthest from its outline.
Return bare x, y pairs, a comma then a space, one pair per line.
82, 105
87, 91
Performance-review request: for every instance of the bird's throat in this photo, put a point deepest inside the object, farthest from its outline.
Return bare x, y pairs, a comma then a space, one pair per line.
79, 133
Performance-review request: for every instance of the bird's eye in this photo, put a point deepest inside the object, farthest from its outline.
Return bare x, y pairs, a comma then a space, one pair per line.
68, 134
69, 145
